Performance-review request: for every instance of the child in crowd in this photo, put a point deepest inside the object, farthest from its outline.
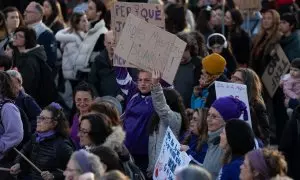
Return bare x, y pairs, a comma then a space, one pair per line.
291, 82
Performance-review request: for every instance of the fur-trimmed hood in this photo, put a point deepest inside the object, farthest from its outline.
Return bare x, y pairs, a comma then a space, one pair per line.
116, 139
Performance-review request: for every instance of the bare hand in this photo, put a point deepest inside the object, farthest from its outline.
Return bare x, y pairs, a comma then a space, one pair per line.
87, 176
184, 148
15, 169
156, 76
46, 175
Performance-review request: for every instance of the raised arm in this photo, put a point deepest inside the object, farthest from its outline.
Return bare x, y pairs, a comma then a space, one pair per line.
124, 80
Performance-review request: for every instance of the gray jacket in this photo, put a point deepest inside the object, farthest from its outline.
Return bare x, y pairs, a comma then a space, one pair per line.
167, 118
212, 161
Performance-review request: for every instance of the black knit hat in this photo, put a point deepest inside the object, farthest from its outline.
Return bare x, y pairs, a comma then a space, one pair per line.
240, 137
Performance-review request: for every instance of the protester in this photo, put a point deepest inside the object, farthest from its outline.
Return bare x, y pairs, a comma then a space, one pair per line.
49, 149
213, 70
237, 139
217, 43
169, 112
102, 75
83, 98
238, 39
202, 51
70, 40
195, 142
33, 18
82, 162
186, 77
261, 55
175, 18
263, 164
258, 111
13, 18
206, 22
11, 124
193, 173
290, 41
25, 101
52, 17
290, 144
93, 42
222, 110
28, 59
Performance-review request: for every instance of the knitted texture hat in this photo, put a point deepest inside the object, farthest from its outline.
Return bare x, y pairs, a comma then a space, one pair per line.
214, 64
230, 108
240, 136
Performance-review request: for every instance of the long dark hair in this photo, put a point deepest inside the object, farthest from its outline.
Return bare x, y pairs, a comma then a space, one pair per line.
202, 129
30, 36
55, 12
62, 127
202, 21
175, 102
6, 86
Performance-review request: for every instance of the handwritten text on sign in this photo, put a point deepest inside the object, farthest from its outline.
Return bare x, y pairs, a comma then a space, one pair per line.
238, 91
152, 13
170, 158
149, 47
277, 67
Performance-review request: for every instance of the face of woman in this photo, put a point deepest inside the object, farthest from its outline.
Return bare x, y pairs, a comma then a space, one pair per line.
223, 143
217, 48
71, 172
17, 85
91, 11
19, 39
83, 133
246, 173
47, 8
45, 122
83, 23
83, 101
267, 21
213, 19
13, 20
214, 120
219, 15
195, 123
228, 19
237, 78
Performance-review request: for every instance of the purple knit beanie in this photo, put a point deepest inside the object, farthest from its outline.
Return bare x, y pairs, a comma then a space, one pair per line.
258, 162
230, 108
81, 157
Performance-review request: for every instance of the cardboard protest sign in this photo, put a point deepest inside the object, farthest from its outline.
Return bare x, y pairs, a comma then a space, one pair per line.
277, 67
238, 91
248, 4
149, 47
151, 13
170, 158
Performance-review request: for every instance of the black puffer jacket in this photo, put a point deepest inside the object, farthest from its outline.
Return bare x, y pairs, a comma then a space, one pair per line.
52, 154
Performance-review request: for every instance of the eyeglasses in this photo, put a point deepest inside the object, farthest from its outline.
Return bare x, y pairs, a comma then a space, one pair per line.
43, 118
83, 131
213, 116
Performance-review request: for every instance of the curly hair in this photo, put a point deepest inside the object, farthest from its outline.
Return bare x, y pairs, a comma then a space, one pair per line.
62, 127
6, 86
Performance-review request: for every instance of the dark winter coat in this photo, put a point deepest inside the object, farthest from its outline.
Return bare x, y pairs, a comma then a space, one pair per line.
290, 144
260, 122
103, 76
52, 154
291, 45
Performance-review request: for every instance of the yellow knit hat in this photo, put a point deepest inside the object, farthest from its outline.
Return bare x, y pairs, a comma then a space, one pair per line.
214, 64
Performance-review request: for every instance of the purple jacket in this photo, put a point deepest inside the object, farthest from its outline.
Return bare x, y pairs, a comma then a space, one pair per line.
74, 131
11, 130
137, 114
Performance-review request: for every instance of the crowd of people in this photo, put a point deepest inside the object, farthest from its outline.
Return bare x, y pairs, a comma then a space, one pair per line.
68, 113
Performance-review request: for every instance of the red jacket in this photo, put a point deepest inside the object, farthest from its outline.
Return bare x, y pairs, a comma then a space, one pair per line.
284, 2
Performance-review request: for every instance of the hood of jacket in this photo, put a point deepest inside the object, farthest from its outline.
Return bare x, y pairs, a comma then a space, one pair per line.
65, 36
116, 139
37, 51
99, 25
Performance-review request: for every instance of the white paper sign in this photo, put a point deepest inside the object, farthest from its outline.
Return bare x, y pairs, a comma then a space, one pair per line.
170, 158
238, 91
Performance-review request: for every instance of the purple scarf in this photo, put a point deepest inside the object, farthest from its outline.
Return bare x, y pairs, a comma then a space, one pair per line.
43, 135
